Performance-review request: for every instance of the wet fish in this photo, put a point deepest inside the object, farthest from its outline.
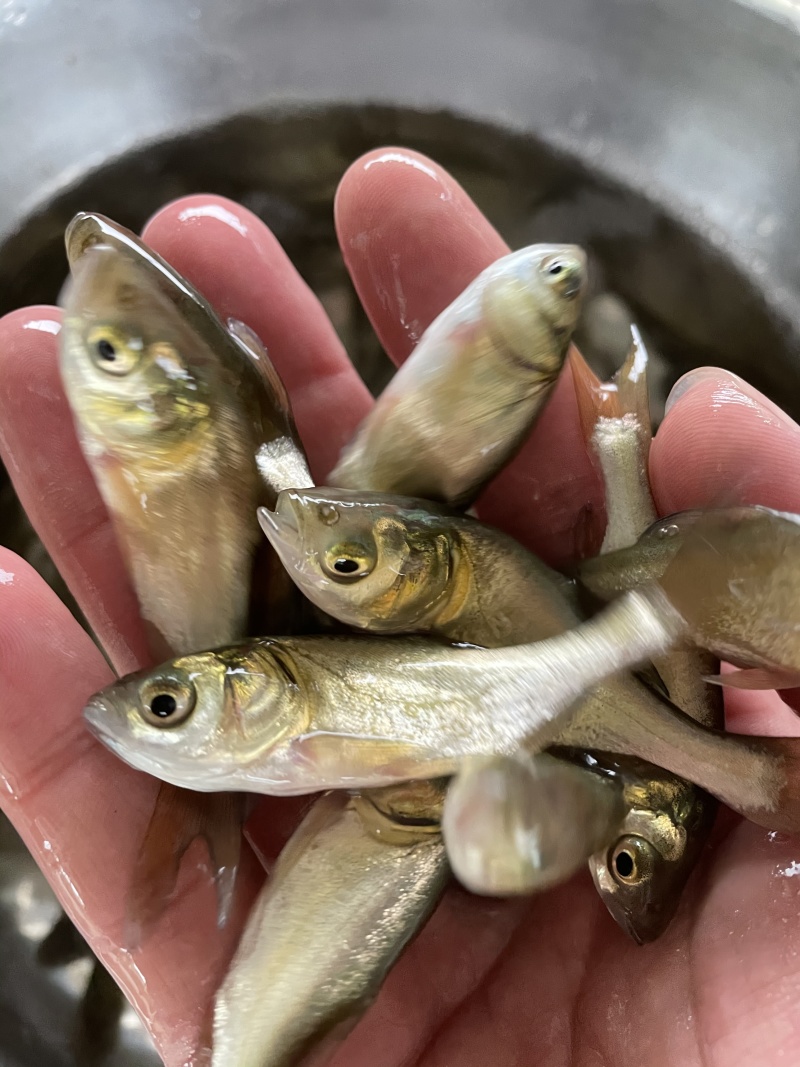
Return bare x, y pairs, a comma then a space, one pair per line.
641, 873
334, 887
462, 405
395, 564
641, 876
175, 411
522, 824
167, 428
385, 564
733, 575
297, 715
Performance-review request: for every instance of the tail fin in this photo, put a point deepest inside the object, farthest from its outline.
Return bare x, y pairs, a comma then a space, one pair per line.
180, 816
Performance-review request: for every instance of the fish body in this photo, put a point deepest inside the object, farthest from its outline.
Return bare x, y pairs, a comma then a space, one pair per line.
394, 564
180, 419
522, 824
641, 876
297, 715
172, 436
411, 566
295, 984
734, 576
461, 406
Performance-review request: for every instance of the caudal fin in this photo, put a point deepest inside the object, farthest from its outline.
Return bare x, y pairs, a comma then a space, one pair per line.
179, 817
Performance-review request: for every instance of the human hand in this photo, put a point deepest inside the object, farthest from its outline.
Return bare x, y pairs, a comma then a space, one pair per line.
549, 979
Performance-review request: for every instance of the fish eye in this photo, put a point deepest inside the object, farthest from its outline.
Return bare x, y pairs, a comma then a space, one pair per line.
167, 702
555, 268
630, 861
349, 560
111, 352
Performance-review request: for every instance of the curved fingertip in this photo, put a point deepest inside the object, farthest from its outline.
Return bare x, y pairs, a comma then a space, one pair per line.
412, 240
724, 443
237, 263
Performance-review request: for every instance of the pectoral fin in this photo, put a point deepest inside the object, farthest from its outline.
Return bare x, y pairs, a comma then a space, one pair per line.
180, 816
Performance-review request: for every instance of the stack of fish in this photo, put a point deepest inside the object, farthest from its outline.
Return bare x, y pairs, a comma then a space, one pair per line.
429, 748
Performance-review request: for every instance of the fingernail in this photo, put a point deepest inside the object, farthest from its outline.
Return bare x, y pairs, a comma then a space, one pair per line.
692, 379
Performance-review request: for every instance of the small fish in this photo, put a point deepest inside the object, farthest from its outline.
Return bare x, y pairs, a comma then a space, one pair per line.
523, 824
180, 419
483, 369
733, 575
386, 563
295, 984
395, 564
669, 819
168, 429
641, 873
297, 715
286, 716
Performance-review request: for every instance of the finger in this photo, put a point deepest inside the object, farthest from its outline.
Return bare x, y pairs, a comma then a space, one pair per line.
239, 266
82, 814
723, 443
413, 240
55, 486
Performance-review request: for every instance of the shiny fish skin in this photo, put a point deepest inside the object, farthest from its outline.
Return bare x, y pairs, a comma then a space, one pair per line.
734, 576
334, 886
523, 824
415, 567
668, 819
426, 567
295, 715
463, 403
181, 420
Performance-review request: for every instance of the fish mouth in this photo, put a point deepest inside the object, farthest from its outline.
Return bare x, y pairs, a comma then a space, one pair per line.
98, 716
283, 532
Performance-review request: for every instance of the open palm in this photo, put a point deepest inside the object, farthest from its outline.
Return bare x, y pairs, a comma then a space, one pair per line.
548, 980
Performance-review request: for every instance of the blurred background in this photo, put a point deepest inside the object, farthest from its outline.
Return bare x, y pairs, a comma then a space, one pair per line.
659, 134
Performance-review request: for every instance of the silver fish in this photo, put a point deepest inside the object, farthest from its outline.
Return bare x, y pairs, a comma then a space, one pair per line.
334, 885
483, 369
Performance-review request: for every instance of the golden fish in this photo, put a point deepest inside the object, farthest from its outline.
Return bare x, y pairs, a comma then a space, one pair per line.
297, 715
169, 430
462, 405
733, 575
334, 887
389, 564
187, 428
523, 824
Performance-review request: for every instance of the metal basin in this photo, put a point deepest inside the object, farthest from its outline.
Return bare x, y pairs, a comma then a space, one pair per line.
657, 135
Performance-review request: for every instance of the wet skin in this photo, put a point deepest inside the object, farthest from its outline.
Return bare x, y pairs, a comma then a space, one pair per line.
549, 980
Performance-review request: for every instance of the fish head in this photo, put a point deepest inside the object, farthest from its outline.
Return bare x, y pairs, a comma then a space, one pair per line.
370, 560
631, 880
131, 366
196, 721
533, 298
642, 874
